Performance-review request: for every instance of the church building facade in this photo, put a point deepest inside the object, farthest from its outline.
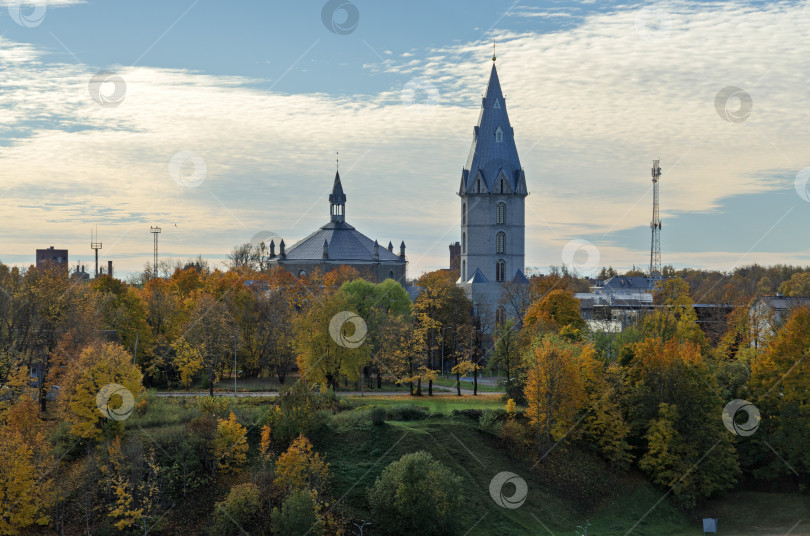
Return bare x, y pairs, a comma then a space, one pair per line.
339, 244
492, 194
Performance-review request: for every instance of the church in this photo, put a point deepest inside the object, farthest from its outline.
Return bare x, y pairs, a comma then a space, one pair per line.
492, 194
339, 244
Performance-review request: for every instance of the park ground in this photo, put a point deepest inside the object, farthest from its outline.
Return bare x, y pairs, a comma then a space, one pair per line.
574, 489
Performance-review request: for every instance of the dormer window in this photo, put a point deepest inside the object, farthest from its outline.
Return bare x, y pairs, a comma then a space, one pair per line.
499, 135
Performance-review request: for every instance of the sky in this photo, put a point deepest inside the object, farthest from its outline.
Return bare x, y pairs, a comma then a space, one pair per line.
220, 123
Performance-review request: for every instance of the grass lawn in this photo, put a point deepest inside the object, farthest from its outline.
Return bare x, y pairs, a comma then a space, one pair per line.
577, 488
441, 403
359, 454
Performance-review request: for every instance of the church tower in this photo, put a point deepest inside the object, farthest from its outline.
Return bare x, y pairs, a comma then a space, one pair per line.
493, 193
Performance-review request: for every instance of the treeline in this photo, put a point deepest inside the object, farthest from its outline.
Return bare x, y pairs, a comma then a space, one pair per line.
736, 287
697, 418
77, 356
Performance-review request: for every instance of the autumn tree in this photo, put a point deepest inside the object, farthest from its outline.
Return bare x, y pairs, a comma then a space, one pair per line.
26, 483
230, 444
99, 366
211, 329
797, 285
508, 352
554, 311
188, 360
123, 309
301, 468
673, 406
440, 305
331, 341
133, 479
377, 304
554, 390
780, 381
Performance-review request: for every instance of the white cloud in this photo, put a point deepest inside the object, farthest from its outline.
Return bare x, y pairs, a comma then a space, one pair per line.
591, 107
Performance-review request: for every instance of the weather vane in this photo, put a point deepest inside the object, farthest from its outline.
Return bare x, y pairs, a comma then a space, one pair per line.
337, 160
493, 50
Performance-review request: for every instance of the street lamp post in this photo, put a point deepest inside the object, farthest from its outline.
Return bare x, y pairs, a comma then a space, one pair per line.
443, 330
234, 365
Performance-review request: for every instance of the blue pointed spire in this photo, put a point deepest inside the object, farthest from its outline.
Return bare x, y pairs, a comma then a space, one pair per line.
493, 149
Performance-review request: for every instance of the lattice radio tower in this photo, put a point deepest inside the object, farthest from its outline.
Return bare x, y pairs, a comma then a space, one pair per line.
655, 226
155, 232
95, 245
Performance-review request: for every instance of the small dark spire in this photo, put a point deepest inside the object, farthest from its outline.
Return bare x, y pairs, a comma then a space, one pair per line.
390, 246
272, 249
402, 250
325, 249
376, 250
281, 248
337, 200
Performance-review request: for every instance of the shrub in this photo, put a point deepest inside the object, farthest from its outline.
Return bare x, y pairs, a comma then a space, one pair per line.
417, 495
236, 511
378, 416
298, 412
490, 423
517, 437
230, 444
298, 515
299, 467
407, 412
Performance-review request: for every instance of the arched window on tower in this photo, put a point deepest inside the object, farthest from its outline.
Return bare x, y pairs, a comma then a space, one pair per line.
500, 269
464, 214
500, 213
499, 135
500, 240
464, 242
463, 270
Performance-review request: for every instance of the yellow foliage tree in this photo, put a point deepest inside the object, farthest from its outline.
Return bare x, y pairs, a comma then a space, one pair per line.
511, 408
554, 390
25, 488
265, 445
230, 444
300, 468
98, 365
135, 500
188, 360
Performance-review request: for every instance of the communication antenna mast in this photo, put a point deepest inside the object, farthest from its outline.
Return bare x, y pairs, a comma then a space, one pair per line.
95, 245
655, 226
155, 232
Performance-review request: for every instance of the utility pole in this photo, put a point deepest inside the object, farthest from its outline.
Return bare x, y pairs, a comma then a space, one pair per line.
95, 245
234, 365
155, 232
655, 227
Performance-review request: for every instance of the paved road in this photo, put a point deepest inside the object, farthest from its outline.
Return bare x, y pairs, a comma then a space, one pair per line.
438, 389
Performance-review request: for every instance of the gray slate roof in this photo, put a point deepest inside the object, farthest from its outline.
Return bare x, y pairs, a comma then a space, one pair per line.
486, 155
345, 244
639, 283
785, 302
